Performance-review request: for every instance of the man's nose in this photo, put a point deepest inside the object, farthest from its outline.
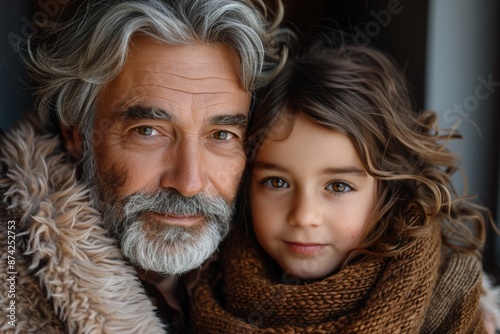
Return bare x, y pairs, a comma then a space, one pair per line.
187, 170
305, 210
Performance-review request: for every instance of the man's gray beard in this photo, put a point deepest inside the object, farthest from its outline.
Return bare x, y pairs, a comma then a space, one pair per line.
164, 248
151, 245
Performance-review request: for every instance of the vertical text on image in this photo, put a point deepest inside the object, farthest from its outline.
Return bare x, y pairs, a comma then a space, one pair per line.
11, 272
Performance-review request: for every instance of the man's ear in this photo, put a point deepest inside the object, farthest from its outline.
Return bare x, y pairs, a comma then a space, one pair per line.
73, 141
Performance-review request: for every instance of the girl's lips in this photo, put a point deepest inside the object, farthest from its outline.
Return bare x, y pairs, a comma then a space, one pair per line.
306, 249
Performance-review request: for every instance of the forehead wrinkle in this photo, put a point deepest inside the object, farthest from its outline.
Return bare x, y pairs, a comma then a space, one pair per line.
198, 78
160, 64
146, 73
183, 91
163, 80
219, 103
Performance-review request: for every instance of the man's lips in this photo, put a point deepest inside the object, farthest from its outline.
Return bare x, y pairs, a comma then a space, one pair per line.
305, 248
177, 220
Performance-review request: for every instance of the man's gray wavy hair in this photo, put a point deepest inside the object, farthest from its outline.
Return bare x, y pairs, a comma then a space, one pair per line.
71, 61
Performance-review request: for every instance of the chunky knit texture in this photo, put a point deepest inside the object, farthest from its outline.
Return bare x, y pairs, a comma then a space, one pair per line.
424, 289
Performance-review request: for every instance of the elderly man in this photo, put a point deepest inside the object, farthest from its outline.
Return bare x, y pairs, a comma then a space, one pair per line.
150, 101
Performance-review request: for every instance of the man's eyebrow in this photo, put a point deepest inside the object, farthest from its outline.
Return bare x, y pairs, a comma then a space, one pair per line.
139, 112
239, 120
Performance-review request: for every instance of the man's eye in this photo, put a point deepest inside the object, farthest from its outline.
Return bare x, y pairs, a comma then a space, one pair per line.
338, 187
222, 135
276, 183
146, 131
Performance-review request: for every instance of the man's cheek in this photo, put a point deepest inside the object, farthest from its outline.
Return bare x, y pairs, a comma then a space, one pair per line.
229, 179
112, 182
126, 173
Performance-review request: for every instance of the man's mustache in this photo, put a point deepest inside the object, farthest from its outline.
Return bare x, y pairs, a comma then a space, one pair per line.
171, 202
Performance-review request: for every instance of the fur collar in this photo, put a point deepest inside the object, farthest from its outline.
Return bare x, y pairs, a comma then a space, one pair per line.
81, 271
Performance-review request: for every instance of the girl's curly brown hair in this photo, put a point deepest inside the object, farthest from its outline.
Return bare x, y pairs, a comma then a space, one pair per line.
359, 91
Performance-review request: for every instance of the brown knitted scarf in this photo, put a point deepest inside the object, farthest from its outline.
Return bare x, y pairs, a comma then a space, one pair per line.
418, 291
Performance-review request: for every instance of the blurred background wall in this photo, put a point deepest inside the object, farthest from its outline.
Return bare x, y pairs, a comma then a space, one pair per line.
15, 23
449, 50
463, 84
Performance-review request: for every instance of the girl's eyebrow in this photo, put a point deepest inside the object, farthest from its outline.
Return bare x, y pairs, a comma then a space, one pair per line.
268, 166
345, 170
331, 170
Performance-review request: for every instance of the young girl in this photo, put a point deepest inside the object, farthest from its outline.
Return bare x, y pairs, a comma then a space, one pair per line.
355, 226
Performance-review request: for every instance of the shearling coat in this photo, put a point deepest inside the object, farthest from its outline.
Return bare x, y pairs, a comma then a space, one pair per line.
59, 272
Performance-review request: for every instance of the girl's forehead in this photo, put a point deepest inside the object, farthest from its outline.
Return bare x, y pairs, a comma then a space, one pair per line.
287, 121
281, 127
296, 127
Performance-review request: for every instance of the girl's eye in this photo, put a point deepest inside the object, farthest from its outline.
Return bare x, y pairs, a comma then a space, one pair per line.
276, 183
147, 131
338, 187
222, 135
